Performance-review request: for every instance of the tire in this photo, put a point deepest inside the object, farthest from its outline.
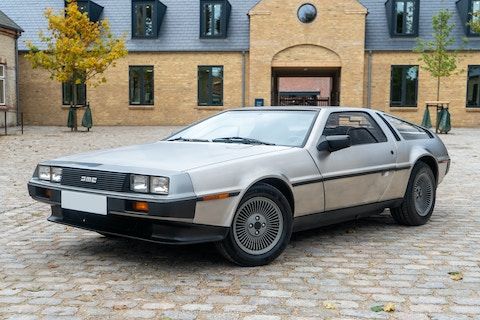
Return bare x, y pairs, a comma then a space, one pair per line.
419, 201
261, 228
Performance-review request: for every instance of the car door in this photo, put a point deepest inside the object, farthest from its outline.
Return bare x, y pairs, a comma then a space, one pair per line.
361, 173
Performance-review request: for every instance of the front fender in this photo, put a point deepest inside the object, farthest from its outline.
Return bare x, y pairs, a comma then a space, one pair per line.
239, 175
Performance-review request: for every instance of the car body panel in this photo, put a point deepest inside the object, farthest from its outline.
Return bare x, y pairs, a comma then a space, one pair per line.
290, 166
324, 187
165, 157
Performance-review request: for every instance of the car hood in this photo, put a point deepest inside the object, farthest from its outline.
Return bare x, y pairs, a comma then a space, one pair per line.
163, 156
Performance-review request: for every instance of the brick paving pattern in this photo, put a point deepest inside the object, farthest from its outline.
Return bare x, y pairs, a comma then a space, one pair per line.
49, 271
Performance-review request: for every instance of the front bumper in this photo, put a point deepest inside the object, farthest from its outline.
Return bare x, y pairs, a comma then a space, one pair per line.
167, 222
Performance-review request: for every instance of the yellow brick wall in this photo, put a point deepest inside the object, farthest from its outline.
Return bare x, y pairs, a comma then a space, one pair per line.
175, 80
335, 38
7, 58
453, 89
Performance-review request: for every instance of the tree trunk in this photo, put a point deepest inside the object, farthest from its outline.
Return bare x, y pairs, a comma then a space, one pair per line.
75, 99
438, 88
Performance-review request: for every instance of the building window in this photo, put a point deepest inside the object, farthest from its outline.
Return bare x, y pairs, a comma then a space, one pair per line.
210, 86
475, 14
307, 13
68, 97
473, 87
147, 17
2, 85
403, 17
404, 86
143, 20
214, 18
91, 8
467, 10
141, 85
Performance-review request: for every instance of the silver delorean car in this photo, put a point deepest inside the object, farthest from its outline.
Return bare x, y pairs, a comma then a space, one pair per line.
247, 178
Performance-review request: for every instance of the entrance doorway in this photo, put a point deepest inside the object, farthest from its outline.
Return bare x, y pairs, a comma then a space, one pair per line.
305, 86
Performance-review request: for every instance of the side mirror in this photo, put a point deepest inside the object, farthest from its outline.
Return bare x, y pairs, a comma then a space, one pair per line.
334, 143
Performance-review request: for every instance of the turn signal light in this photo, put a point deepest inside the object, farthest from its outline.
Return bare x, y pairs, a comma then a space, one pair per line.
216, 197
45, 193
140, 206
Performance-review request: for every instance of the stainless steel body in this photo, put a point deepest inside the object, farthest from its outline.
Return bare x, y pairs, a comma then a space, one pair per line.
212, 177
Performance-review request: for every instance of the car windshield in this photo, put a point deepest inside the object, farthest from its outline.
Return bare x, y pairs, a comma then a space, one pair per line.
278, 127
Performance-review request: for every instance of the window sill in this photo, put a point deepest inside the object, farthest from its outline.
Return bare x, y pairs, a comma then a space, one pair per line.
79, 106
144, 37
141, 107
213, 37
404, 109
473, 109
210, 108
404, 36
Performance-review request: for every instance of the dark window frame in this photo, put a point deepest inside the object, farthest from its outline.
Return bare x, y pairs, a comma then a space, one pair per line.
403, 103
224, 20
470, 33
81, 101
210, 103
3, 78
142, 86
468, 80
93, 9
465, 10
158, 13
391, 6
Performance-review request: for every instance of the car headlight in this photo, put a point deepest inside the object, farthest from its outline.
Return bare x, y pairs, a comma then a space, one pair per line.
147, 184
139, 183
159, 185
47, 173
56, 174
44, 173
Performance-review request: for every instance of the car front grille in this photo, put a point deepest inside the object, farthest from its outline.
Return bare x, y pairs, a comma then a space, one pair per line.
92, 179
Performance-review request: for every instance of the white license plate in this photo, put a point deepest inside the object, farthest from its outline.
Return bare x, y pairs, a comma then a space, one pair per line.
84, 202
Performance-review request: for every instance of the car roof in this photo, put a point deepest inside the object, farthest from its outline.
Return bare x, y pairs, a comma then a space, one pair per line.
299, 108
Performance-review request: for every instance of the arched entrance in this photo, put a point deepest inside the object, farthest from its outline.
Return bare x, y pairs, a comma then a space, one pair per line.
306, 86
307, 75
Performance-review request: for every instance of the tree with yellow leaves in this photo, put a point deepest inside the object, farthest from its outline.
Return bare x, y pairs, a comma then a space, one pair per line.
78, 51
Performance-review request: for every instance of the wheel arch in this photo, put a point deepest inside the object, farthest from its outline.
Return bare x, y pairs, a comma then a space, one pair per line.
431, 162
283, 186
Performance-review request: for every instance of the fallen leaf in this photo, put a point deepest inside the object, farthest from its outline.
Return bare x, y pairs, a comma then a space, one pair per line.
456, 276
52, 265
389, 307
329, 305
119, 307
377, 308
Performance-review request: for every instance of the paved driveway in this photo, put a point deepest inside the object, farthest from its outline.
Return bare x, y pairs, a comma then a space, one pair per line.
51, 271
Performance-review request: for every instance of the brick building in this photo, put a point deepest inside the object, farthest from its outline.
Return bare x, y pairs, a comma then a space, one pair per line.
191, 58
9, 33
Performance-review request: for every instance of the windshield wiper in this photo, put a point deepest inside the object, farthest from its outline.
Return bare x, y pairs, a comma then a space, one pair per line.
242, 140
189, 139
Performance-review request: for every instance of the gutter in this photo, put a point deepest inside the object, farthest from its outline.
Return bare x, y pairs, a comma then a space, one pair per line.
17, 91
244, 80
369, 79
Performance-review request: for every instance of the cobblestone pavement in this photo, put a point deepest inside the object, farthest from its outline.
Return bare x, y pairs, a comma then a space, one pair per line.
49, 271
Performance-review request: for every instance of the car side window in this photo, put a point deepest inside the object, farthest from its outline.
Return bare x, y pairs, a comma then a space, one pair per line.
407, 130
360, 126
